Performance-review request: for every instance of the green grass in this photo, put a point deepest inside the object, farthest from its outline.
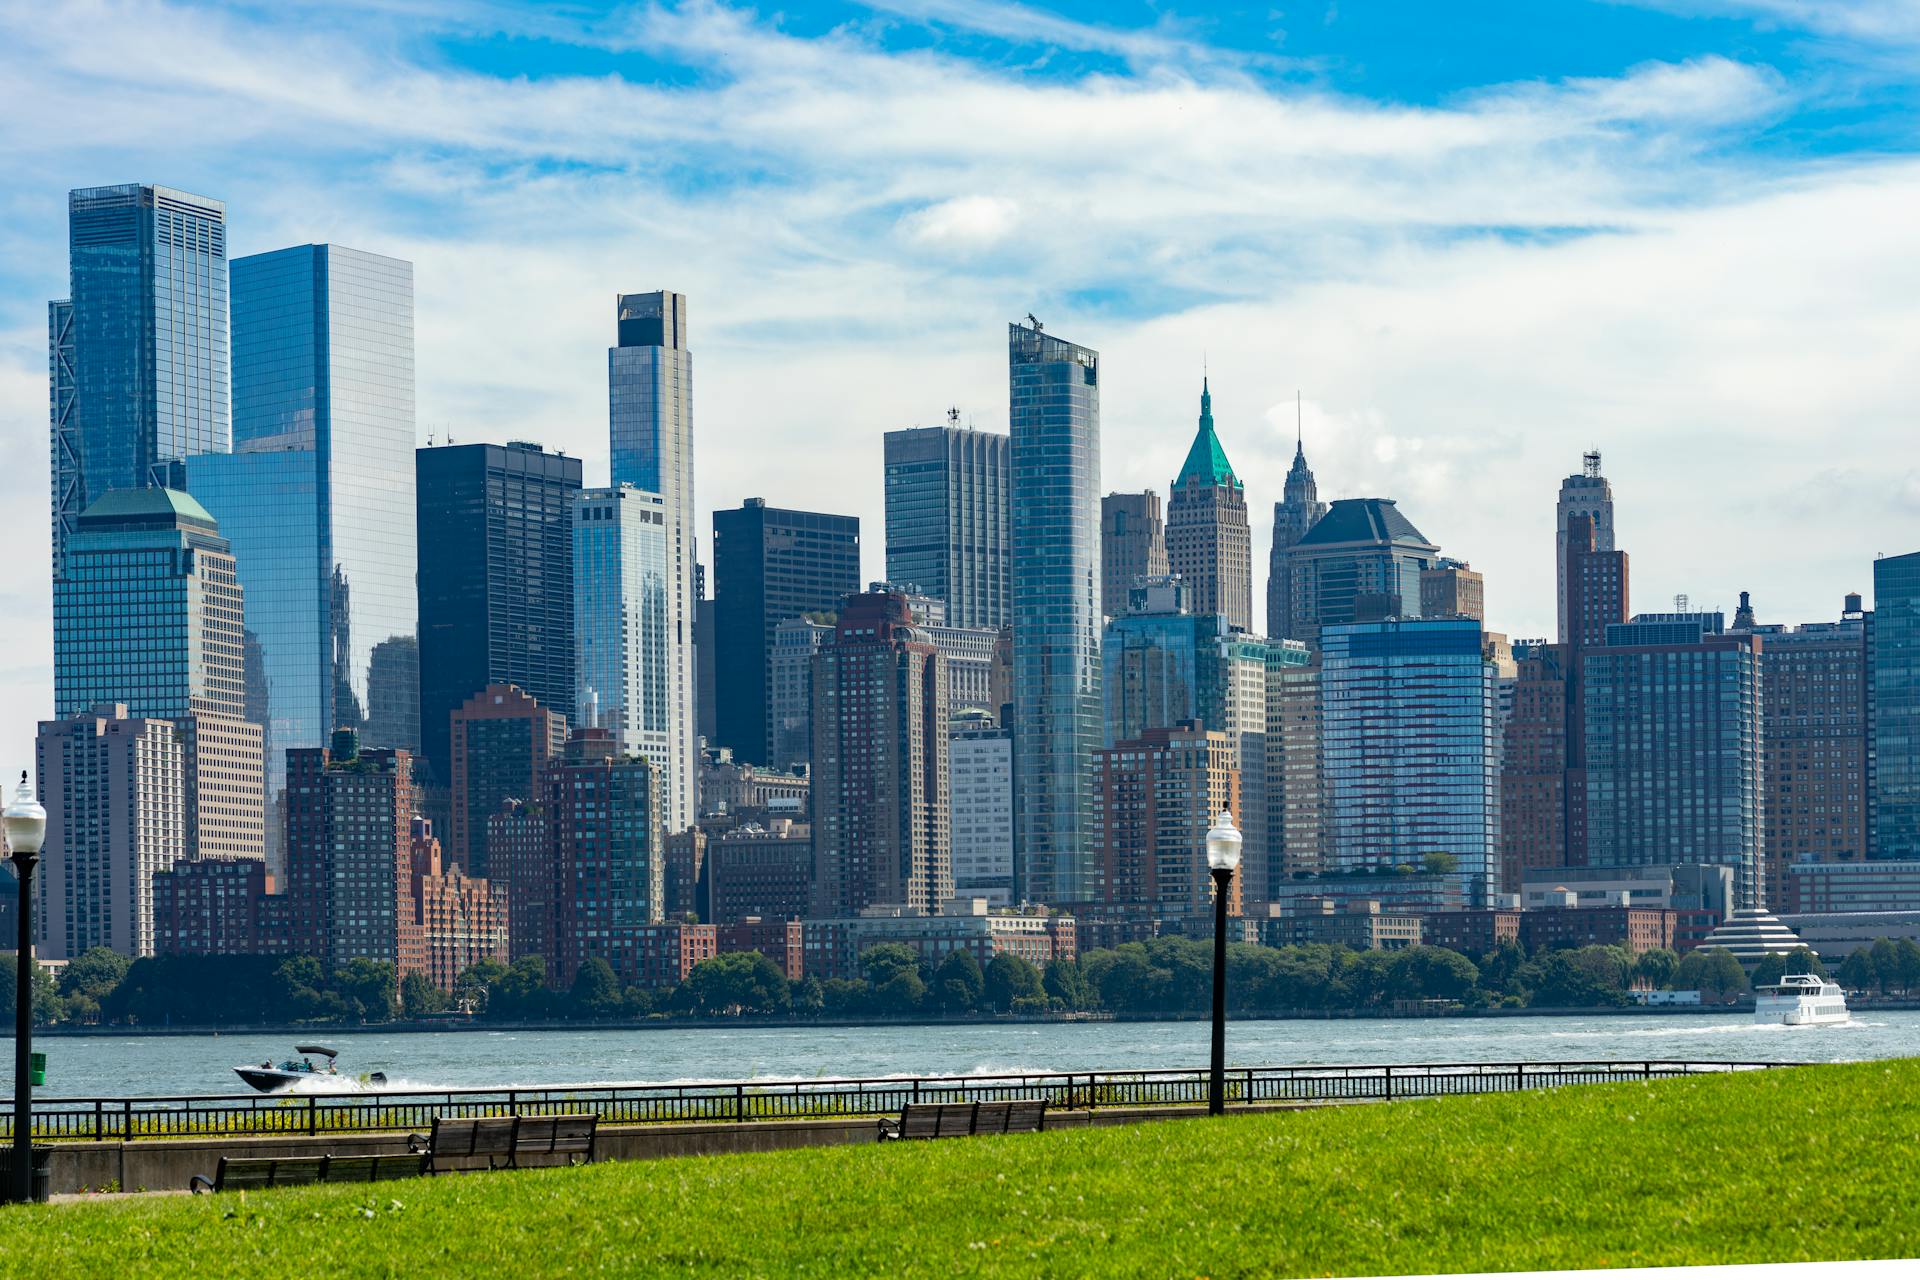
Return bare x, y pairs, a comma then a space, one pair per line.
1776, 1166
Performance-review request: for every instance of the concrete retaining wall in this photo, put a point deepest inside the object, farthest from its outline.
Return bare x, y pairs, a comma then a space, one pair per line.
166, 1164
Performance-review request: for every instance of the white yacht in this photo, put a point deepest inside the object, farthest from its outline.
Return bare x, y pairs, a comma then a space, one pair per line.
1799, 1000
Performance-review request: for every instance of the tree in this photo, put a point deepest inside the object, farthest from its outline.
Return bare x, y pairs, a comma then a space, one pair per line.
957, 983
369, 987
735, 983
1066, 982
1713, 971
1906, 958
883, 960
1656, 965
1769, 969
901, 993
521, 991
470, 989
1439, 863
1590, 977
1801, 960
1856, 971
1886, 964
1431, 973
88, 980
419, 997
807, 998
46, 995
595, 992
1011, 978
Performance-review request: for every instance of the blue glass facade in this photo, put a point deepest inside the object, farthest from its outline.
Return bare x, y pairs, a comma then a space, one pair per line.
144, 339
1411, 747
1894, 652
318, 499
946, 506
1054, 411
620, 625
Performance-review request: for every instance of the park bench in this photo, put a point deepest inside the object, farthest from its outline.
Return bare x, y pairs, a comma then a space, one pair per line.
247, 1173
505, 1142
965, 1119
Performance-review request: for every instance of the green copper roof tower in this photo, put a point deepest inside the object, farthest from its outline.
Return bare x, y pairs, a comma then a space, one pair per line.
1209, 543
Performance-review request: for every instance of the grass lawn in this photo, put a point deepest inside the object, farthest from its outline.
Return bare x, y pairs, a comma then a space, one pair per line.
1819, 1163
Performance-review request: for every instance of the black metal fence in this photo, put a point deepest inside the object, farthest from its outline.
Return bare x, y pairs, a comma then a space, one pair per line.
747, 1101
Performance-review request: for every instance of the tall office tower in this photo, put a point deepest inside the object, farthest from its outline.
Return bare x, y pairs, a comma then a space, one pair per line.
1533, 764
499, 749
1360, 561
1294, 783
1596, 585
609, 867
114, 787
350, 850
1133, 545
1412, 747
496, 579
1299, 510
881, 794
1674, 769
947, 519
1585, 495
1054, 407
790, 689
1452, 590
1163, 666
317, 498
138, 353
650, 402
520, 844
1208, 541
622, 575
980, 773
769, 565
1813, 684
1895, 652
1156, 792
147, 612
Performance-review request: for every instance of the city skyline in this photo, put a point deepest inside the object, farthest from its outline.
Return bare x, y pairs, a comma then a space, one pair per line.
1509, 350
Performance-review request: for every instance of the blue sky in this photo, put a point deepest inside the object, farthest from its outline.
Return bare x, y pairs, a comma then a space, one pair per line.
1477, 238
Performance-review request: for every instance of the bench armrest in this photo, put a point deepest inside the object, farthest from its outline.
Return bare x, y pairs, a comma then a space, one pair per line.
889, 1130
199, 1183
418, 1143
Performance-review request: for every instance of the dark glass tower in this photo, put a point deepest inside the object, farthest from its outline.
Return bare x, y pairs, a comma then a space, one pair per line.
496, 579
946, 500
1054, 409
138, 354
769, 565
1894, 652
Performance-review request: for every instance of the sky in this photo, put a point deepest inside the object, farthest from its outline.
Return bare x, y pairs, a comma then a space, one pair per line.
1476, 240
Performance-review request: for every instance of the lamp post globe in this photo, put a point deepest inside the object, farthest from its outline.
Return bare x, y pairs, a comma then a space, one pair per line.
1223, 859
25, 822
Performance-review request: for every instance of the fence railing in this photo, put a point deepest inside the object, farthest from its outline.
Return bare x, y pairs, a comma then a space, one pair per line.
748, 1101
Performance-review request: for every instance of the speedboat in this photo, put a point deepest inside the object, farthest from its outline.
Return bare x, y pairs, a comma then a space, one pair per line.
1799, 1000
268, 1078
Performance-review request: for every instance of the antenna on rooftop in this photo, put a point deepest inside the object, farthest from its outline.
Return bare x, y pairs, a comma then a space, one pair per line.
1591, 463
1034, 321
953, 416
1680, 603
1299, 430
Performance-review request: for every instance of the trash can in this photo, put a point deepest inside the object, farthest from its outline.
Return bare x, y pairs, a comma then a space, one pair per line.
41, 1184
37, 1069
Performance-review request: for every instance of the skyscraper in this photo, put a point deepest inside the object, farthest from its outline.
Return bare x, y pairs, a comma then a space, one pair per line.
1054, 408
769, 565
350, 851
1295, 782
946, 505
790, 689
138, 354
317, 499
1298, 512
881, 789
980, 765
147, 612
650, 413
1673, 767
496, 579
608, 851
1360, 561
1597, 587
1412, 747
1156, 792
502, 742
1895, 654
114, 787
1533, 764
622, 632
1133, 545
1208, 541
1587, 494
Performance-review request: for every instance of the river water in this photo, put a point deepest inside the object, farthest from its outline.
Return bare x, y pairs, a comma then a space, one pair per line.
117, 1066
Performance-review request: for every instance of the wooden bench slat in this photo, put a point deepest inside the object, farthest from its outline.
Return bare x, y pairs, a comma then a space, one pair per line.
960, 1119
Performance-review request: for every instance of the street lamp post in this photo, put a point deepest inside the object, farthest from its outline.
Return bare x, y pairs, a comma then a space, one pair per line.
26, 826
1223, 857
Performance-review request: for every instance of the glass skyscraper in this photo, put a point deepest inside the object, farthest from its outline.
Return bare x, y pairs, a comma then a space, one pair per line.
946, 496
1894, 652
650, 439
1054, 410
1411, 747
317, 499
138, 354
621, 678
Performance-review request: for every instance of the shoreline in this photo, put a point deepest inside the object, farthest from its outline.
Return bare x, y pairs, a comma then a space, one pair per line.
415, 1027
